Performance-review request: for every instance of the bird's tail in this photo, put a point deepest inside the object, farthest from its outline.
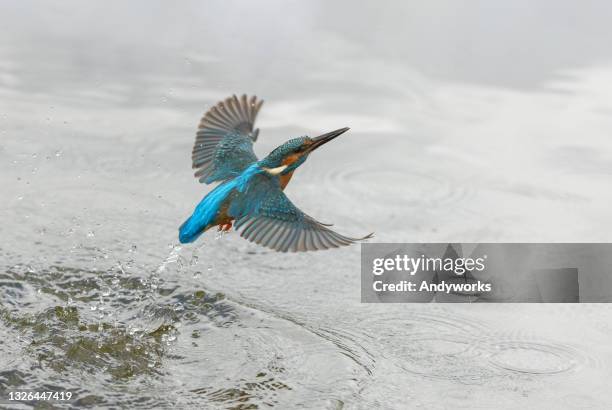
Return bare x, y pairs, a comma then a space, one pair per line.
191, 229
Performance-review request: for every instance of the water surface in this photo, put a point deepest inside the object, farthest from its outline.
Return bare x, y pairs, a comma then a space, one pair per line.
482, 124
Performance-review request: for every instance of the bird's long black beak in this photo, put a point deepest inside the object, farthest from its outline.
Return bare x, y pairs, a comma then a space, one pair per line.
322, 139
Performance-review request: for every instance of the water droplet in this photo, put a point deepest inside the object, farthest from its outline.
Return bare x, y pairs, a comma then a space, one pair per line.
93, 307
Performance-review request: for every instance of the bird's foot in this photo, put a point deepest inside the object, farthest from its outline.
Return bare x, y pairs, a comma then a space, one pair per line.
225, 227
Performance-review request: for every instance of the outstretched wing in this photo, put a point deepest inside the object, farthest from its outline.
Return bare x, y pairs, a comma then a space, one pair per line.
266, 216
224, 142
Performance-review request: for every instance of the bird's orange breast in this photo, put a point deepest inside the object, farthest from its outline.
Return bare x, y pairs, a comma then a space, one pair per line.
284, 179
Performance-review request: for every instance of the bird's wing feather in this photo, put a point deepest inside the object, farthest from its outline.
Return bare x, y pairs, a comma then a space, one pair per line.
266, 216
224, 142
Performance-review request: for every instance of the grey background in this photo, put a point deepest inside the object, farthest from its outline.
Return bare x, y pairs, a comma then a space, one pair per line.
483, 121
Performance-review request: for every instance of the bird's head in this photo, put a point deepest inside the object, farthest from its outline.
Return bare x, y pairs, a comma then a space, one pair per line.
287, 157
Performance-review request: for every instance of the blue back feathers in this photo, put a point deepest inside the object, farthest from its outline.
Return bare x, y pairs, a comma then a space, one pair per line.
207, 210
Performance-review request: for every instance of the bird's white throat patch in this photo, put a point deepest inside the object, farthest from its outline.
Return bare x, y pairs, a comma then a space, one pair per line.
275, 171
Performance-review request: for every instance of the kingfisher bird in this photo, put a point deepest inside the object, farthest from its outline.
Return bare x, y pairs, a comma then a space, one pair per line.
250, 193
